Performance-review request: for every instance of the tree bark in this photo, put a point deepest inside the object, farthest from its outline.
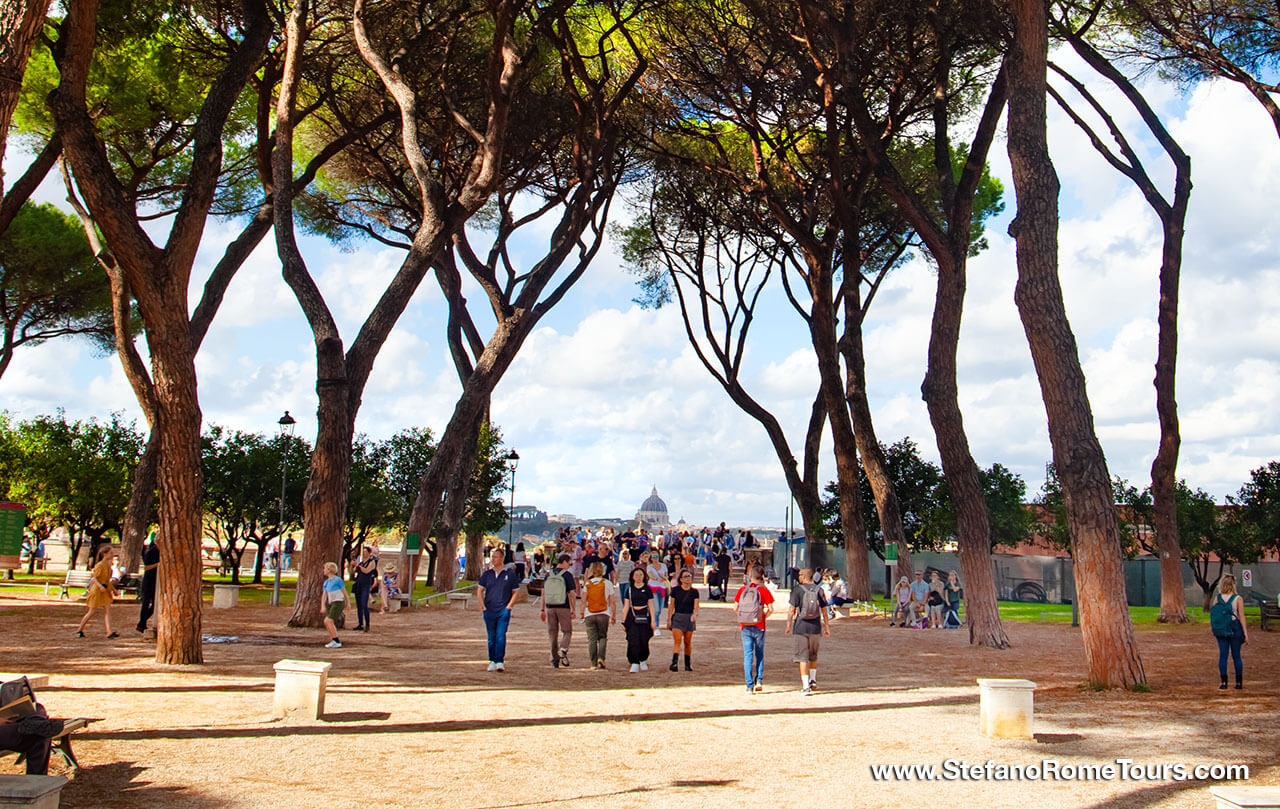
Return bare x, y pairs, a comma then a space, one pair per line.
455, 510
1110, 651
159, 278
178, 591
20, 24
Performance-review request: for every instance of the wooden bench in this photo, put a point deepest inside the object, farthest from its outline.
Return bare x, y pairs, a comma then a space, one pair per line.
75, 578
61, 744
1270, 612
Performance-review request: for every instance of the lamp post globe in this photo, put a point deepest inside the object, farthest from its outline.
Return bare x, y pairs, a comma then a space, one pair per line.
286, 424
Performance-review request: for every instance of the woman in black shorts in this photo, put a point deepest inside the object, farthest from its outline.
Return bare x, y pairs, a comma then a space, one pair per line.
683, 618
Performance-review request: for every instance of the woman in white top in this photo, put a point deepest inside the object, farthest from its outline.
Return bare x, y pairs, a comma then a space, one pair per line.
657, 573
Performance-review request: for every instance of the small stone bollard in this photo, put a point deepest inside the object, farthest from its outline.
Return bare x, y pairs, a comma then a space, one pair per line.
1006, 707
300, 686
225, 596
1246, 797
33, 791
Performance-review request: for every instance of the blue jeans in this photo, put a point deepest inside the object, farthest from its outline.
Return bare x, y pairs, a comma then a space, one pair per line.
1233, 645
362, 602
495, 623
753, 654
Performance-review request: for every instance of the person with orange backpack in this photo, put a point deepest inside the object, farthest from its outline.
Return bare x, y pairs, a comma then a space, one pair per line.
754, 603
599, 609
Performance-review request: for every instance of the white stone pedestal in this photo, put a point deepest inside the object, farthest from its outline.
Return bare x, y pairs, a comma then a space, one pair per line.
33, 791
300, 686
225, 596
1006, 707
1246, 797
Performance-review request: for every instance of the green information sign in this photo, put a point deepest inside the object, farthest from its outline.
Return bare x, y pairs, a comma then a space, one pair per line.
13, 517
412, 544
891, 553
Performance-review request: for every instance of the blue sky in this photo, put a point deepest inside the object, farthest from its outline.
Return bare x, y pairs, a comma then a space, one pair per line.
607, 400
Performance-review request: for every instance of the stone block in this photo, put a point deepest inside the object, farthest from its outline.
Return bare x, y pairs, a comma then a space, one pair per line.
1006, 707
1246, 797
225, 596
34, 791
300, 687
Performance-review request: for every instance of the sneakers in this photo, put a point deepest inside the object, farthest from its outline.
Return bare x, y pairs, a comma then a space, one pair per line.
492, 666
750, 690
813, 685
333, 644
499, 667
564, 658
758, 687
806, 691
113, 635
600, 665
555, 662
657, 633
635, 668
644, 665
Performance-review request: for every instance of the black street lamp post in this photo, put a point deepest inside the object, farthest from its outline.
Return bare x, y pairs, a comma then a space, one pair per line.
286, 432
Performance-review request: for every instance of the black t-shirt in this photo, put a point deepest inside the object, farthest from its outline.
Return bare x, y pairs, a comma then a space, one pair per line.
722, 564
806, 626
682, 600
639, 597
605, 560
150, 556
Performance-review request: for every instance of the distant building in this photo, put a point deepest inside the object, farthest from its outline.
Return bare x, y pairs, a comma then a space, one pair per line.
653, 512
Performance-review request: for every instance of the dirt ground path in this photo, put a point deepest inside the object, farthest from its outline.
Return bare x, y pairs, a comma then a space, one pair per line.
414, 720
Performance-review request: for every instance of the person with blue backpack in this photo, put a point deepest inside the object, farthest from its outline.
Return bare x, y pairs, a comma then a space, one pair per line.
1226, 621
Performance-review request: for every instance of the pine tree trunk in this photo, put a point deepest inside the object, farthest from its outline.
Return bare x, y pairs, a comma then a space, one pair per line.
848, 482
873, 461
455, 510
941, 395
475, 551
178, 591
1110, 650
20, 23
1164, 469
141, 498
324, 506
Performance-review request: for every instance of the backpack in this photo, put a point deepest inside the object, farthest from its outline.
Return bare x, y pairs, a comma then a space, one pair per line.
810, 606
554, 590
750, 607
597, 596
1222, 618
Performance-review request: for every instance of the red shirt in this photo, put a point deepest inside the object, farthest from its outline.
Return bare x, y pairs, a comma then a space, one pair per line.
766, 598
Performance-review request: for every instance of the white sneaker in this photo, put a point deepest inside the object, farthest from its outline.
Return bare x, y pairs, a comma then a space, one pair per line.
635, 668
644, 666
333, 644
657, 633
759, 687
492, 666
499, 667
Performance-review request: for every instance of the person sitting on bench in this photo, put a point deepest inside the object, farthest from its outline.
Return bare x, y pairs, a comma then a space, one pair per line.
25, 727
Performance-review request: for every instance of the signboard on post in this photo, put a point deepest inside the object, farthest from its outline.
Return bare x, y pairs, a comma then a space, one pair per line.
891, 553
1246, 578
13, 518
412, 544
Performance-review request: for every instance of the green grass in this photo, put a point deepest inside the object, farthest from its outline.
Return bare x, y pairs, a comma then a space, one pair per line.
1020, 611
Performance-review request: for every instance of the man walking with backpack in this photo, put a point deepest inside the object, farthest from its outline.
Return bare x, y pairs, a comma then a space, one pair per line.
558, 602
807, 621
755, 605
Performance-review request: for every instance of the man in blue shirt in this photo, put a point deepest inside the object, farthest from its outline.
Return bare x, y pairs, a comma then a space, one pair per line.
497, 590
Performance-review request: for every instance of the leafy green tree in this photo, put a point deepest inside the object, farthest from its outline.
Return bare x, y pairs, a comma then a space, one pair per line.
242, 492
927, 511
371, 501
50, 284
75, 474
